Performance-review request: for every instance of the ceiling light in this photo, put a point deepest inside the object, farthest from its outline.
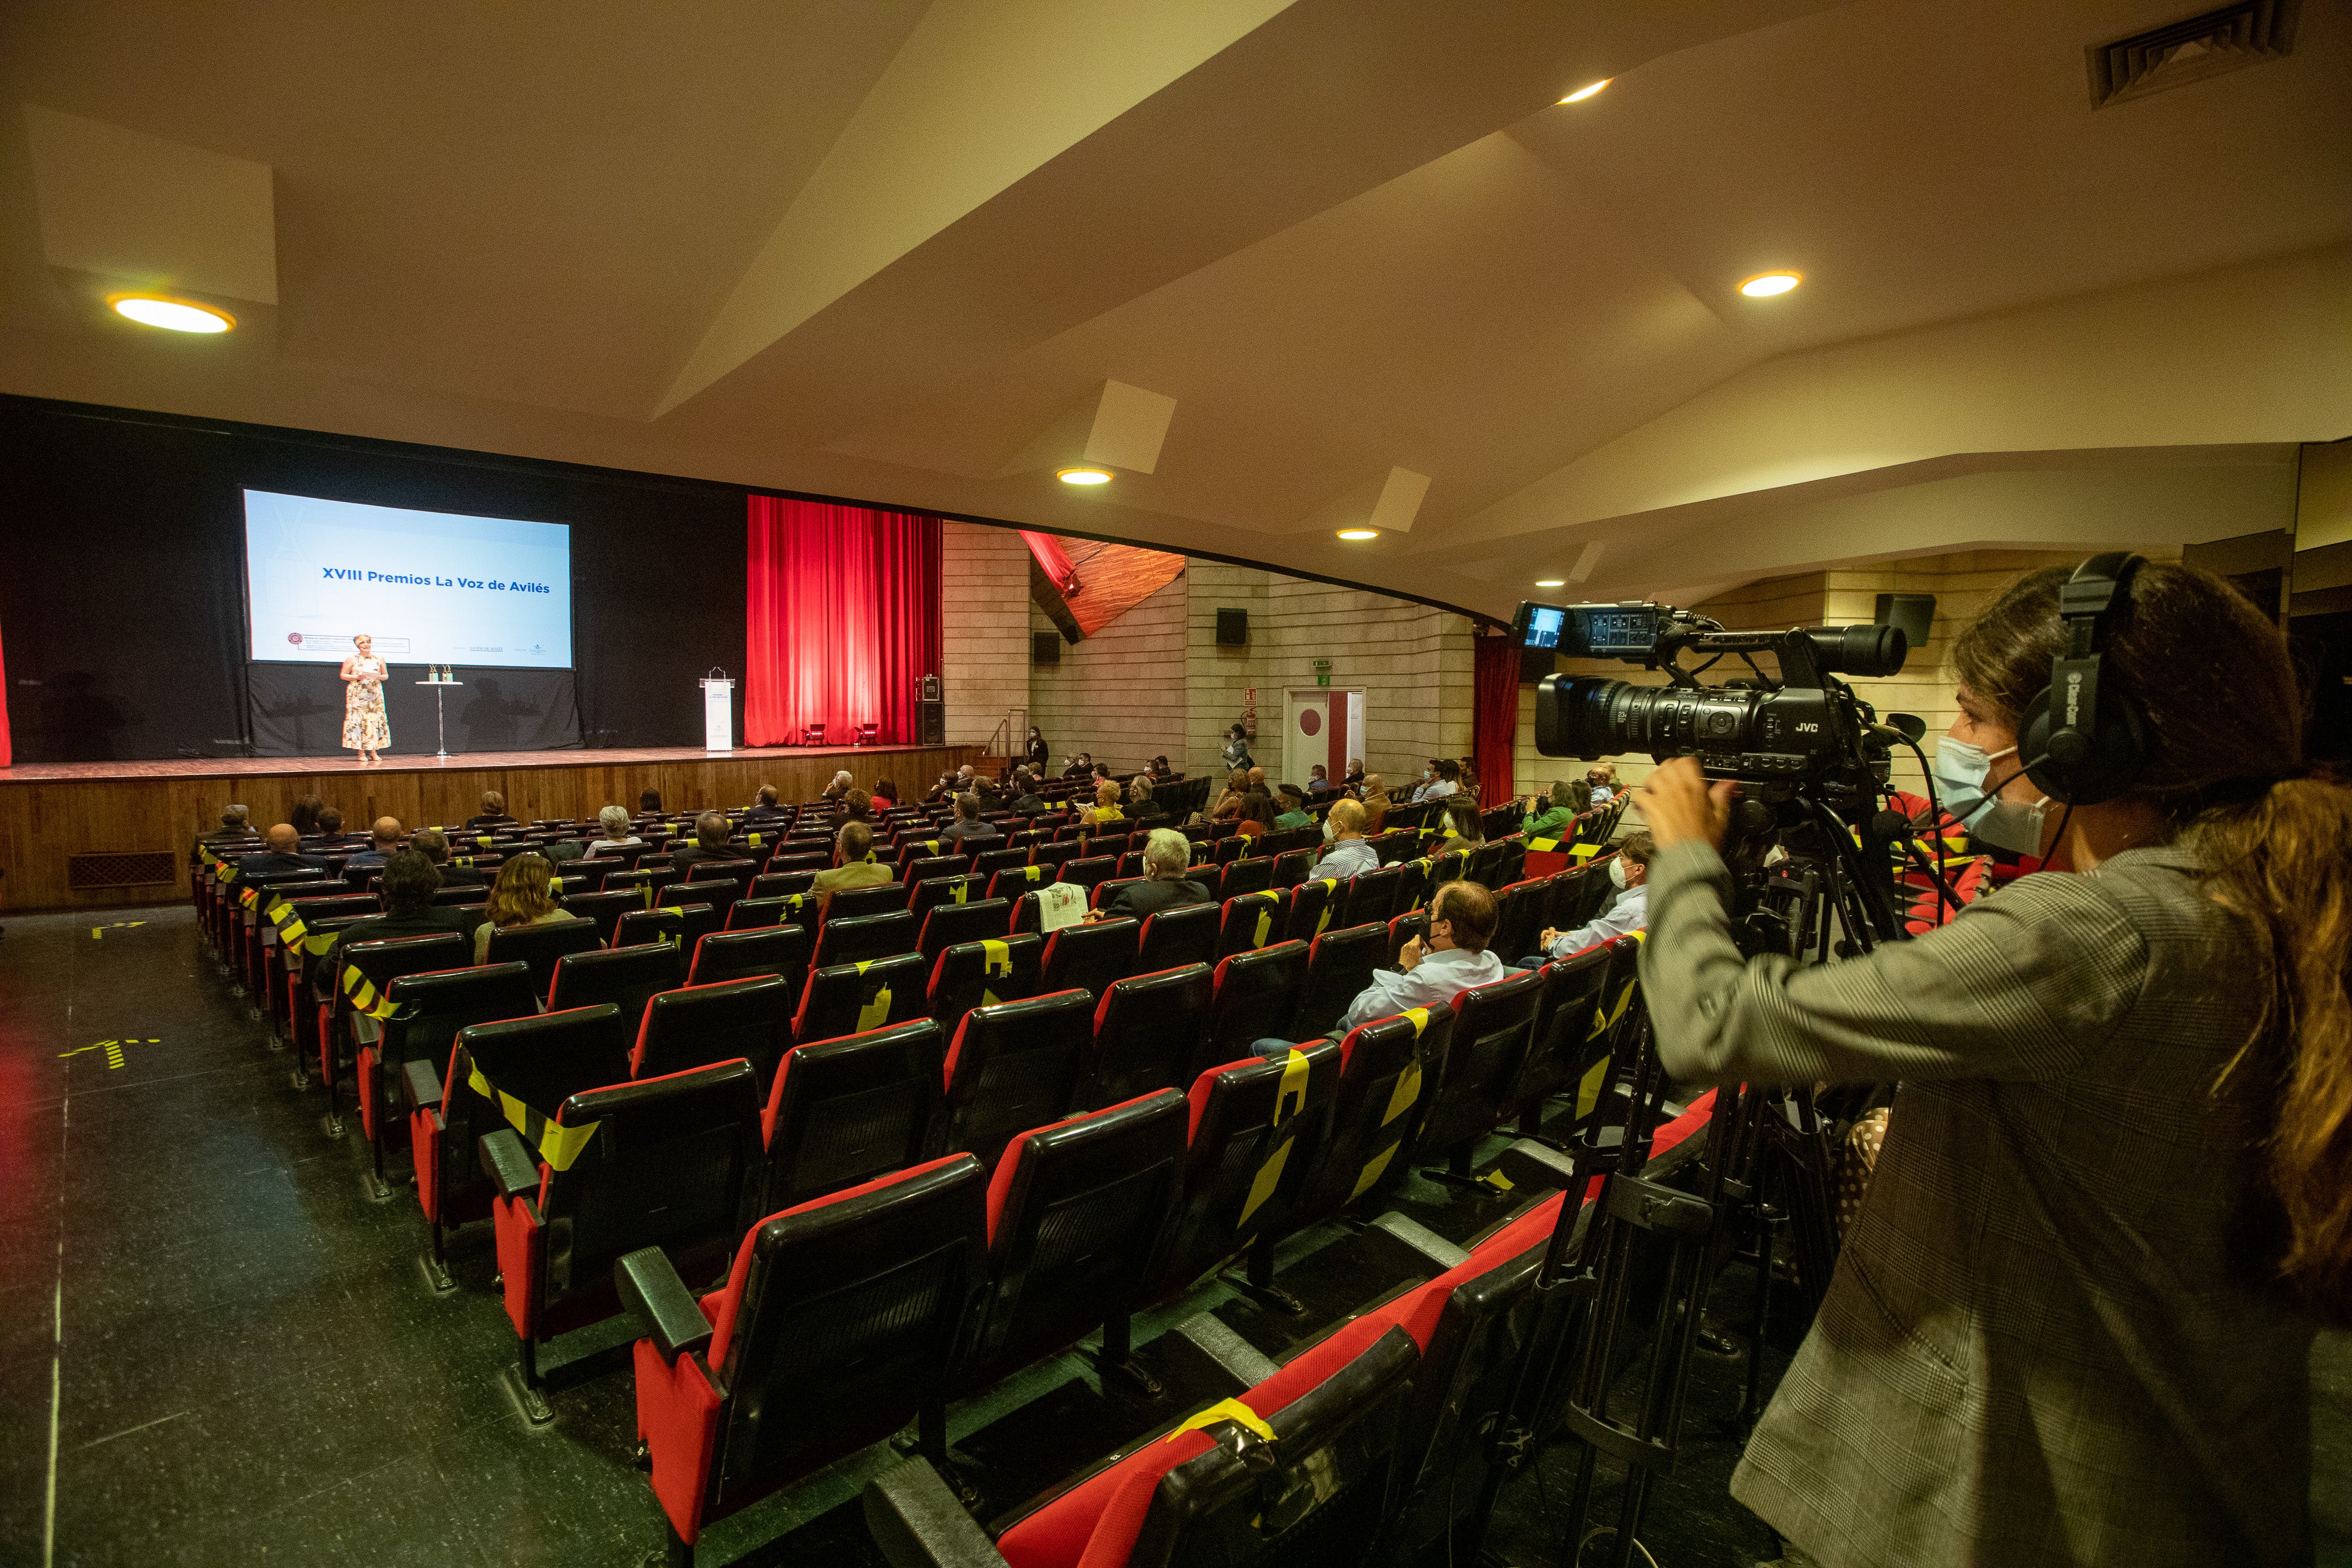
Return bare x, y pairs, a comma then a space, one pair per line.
1765, 284
1084, 476
1360, 533
1580, 94
1551, 582
174, 315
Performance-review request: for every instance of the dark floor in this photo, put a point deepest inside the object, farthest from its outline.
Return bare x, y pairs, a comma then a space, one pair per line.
214, 1348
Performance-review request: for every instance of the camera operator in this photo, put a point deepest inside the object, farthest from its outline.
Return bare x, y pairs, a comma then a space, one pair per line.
2072, 1323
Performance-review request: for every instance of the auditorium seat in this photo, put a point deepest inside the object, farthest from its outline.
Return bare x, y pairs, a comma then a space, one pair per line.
1571, 1035
541, 945
1130, 865
295, 921
603, 908
949, 924
1493, 1026
864, 903
1518, 920
804, 862
779, 950
1253, 1130
1415, 882
1253, 875
1016, 1065
534, 1062
252, 920
1294, 866
845, 1110
703, 1024
1232, 846
1090, 955
1447, 865
626, 977
749, 1389
1372, 895
988, 863
779, 884
1397, 843
1256, 999
933, 891
673, 1163
302, 985
639, 928
596, 869
867, 994
843, 940
1055, 853
430, 1007
1087, 870
1104, 893
1186, 934
1314, 905
759, 913
1075, 1209
1402, 929
983, 972
923, 868
1384, 1076
364, 971
1252, 920
719, 893
1340, 966
1150, 1031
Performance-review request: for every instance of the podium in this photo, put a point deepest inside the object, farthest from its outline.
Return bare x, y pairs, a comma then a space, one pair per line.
718, 712
440, 729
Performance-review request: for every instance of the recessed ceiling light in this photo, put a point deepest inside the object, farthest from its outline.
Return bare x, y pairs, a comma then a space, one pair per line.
1084, 476
1580, 94
1360, 533
174, 315
1765, 284
1551, 582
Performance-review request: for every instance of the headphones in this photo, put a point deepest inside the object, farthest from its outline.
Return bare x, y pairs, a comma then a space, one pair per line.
2086, 745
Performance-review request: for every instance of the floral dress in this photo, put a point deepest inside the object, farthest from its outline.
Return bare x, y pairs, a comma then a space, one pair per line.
364, 728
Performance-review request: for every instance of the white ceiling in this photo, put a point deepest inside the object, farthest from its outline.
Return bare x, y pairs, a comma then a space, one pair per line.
879, 248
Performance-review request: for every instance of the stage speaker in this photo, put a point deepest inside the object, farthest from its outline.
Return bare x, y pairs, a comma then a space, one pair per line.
932, 691
1044, 647
932, 719
1232, 628
1535, 663
1914, 613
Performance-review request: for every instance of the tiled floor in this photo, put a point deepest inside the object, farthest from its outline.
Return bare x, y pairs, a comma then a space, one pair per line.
250, 1368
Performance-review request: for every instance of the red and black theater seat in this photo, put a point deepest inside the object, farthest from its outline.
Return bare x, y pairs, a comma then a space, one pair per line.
603, 908
1251, 921
1254, 1128
1256, 999
670, 1162
678, 928
1314, 905
596, 868
950, 924
1012, 882
960, 888
309, 976
253, 929
1087, 871
983, 972
1091, 957
429, 1007
1150, 1033
1105, 894
1294, 866
1372, 896
720, 894
1493, 1026
759, 914
1075, 1210
1384, 1068
1016, 1065
787, 861
780, 883
846, 939
359, 974
1295, 1473
850, 998
779, 950
1402, 929
1340, 965
1186, 934
1230, 847
1570, 1036
1416, 881
541, 945
929, 867
1054, 854
986, 864
837, 1324
1518, 920
846, 1111
283, 961
703, 1024
1242, 876
878, 903
525, 1066
975, 845
739, 872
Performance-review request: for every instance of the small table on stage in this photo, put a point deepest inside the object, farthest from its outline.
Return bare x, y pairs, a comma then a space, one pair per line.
440, 733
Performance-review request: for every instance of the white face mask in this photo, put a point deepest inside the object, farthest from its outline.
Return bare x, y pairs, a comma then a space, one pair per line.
1617, 872
1962, 773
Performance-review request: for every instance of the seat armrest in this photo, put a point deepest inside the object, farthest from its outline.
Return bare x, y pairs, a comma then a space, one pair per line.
366, 1028
508, 1164
652, 1292
916, 1521
1422, 1240
1233, 1355
1537, 1166
424, 1084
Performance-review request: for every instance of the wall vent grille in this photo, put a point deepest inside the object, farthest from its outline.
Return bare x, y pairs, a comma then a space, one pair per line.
2228, 39
136, 868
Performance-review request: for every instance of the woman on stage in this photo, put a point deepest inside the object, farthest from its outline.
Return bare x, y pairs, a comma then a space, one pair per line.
364, 729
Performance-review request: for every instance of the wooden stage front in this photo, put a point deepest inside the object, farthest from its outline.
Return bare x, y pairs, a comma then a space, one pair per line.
91, 835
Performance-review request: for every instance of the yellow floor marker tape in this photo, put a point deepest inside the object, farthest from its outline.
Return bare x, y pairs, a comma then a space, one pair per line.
99, 932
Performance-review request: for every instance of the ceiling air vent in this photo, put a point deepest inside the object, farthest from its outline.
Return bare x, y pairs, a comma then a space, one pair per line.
2245, 34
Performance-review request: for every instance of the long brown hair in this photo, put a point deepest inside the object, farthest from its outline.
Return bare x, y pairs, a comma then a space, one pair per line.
520, 894
2224, 733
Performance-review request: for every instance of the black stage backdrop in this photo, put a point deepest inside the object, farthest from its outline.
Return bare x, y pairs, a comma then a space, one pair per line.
122, 599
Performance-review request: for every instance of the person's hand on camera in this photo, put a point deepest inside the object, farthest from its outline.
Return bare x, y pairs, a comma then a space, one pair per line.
1678, 804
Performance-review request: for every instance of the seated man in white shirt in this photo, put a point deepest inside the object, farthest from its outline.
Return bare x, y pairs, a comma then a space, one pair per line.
1629, 870
1602, 777
1448, 958
1348, 855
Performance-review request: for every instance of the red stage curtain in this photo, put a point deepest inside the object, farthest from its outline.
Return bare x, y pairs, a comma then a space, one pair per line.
1495, 714
842, 620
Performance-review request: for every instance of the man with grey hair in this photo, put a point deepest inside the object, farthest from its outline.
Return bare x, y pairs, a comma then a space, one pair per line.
235, 829
1166, 857
615, 823
709, 844
967, 823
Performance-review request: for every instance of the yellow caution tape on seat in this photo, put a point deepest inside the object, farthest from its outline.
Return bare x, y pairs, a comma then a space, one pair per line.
1583, 852
962, 890
556, 1144
1542, 846
317, 942
1264, 924
1233, 1410
874, 1013
1294, 1073
364, 997
484, 841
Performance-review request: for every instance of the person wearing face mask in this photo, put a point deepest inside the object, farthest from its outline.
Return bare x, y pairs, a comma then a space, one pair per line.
2072, 1321
1040, 755
1629, 874
1449, 957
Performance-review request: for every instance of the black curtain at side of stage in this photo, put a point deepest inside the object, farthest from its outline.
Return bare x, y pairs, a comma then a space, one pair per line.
122, 596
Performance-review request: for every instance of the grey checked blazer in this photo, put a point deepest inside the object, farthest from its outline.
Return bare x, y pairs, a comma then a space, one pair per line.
2035, 1348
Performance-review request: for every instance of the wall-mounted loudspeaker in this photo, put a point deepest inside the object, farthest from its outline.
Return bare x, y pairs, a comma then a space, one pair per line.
1044, 647
1232, 628
933, 691
932, 718
1914, 613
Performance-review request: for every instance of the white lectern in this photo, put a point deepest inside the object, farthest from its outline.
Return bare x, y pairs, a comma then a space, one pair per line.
440, 684
718, 712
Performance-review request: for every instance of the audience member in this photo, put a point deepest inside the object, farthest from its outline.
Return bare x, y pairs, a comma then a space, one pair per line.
1629, 871
236, 826
1026, 801
1354, 779
854, 864
1437, 780
649, 803
1603, 778
886, 790
1449, 957
1256, 815
1552, 816
1294, 812
1318, 781
1106, 806
1140, 806
1349, 855
1257, 780
1040, 755
385, 840
1376, 804
841, 785
710, 831
1465, 829
1160, 770
967, 823
615, 820
284, 855
856, 806
409, 881
434, 844
763, 806
1466, 775
329, 834
1237, 752
1082, 765
304, 816
1229, 804
1167, 863
493, 814
524, 895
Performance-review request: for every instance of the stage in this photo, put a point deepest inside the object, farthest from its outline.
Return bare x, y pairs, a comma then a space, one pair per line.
94, 835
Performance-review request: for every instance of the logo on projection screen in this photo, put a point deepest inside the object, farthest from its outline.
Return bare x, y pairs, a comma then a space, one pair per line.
295, 638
